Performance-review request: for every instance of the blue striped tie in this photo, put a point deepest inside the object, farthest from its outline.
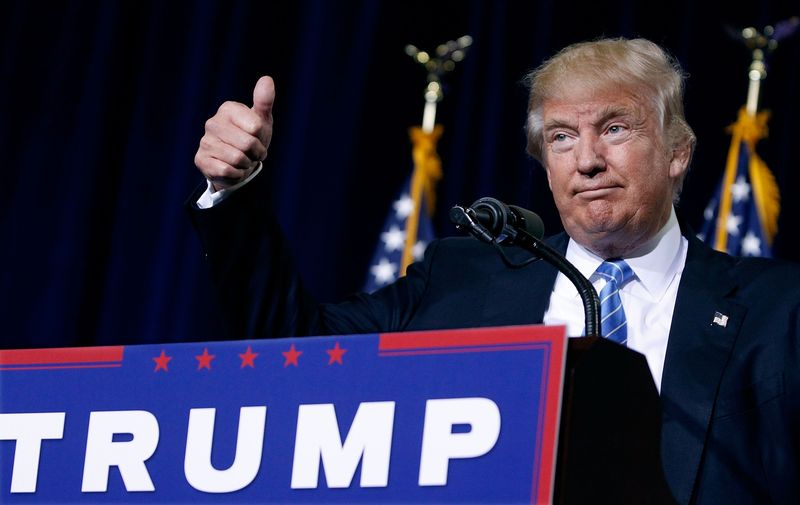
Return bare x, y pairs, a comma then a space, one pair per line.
613, 324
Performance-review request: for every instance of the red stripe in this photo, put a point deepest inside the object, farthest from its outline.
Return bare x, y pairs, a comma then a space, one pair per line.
51, 356
57, 367
555, 382
467, 337
461, 350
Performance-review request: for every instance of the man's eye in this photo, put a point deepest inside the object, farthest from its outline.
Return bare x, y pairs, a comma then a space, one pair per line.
615, 129
559, 137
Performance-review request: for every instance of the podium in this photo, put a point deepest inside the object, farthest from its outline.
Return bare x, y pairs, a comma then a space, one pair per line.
489, 415
609, 450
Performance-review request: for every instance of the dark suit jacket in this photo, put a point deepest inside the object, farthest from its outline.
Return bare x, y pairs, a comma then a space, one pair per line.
730, 393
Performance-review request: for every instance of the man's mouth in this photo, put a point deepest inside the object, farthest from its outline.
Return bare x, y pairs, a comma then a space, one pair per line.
597, 191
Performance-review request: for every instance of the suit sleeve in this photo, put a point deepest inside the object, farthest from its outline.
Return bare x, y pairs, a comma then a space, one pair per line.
261, 294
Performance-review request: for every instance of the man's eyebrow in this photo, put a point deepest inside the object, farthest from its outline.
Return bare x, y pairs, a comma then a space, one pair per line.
614, 111
602, 116
551, 124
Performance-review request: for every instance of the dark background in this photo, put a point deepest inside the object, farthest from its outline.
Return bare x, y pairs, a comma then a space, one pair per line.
102, 105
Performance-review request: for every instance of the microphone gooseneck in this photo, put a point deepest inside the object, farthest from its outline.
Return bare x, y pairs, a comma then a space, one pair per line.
494, 222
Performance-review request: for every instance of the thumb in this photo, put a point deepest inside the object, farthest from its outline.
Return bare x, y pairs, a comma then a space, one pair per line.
264, 97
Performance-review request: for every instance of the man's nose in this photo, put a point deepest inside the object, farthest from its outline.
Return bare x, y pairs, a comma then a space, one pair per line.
590, 154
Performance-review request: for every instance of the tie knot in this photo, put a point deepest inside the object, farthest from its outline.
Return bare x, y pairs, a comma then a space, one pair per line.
616, 270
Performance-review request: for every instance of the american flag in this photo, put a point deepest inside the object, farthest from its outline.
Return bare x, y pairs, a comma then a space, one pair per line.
741, 218
408, 228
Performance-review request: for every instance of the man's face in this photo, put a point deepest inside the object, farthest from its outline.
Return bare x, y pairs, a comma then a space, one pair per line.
611, 174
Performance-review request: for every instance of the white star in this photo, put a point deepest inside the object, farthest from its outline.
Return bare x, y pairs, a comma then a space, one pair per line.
732, 225
384, 271
394, 239
740, 189
709, 212
751, 245
403, 206
419, 250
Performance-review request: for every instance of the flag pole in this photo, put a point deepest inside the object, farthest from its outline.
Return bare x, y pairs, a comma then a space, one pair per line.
749, 128
758, 43
756, 73
447, 55
427, 166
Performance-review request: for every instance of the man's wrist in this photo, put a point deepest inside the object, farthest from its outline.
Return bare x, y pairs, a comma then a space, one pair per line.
210, 197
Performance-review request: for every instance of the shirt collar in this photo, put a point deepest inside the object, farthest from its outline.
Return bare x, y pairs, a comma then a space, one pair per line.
654, 264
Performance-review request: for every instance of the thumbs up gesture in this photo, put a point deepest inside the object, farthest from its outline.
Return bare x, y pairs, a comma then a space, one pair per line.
237, 137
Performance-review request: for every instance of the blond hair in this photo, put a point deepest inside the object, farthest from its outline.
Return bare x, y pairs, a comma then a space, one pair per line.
637, 64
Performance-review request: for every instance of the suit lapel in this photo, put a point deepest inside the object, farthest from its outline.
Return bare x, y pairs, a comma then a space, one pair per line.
704, 327
522, 295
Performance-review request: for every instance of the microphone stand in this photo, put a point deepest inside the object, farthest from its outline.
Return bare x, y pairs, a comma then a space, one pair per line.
466, 219
591, 302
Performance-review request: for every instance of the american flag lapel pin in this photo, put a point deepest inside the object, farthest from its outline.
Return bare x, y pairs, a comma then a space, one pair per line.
720, 319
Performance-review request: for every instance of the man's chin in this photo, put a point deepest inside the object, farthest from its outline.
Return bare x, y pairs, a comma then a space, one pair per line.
604, 239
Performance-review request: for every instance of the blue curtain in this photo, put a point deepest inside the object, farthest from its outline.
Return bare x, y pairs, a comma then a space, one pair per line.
102, 105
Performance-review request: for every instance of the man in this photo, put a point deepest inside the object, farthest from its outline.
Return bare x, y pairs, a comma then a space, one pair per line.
721, 334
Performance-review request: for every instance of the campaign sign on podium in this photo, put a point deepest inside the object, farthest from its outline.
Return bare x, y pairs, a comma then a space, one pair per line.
443, 416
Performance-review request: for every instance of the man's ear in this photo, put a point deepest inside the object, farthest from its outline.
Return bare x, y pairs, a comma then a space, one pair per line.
547, 171
679, 163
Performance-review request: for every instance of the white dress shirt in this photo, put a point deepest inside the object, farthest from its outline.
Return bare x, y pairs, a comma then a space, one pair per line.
648, 298
210, 197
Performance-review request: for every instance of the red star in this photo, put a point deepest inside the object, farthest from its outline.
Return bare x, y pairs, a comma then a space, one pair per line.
248, 357
161, 362
336, 354
204, 360
291, 356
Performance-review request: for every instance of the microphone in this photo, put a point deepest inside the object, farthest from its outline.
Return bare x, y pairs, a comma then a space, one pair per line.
491, 220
